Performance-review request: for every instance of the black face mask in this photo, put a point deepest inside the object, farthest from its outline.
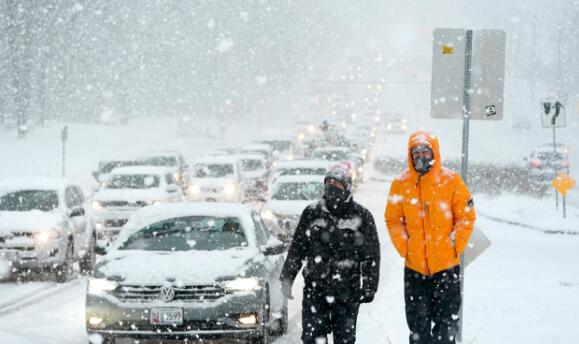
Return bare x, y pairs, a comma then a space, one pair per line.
422, 165
335, 197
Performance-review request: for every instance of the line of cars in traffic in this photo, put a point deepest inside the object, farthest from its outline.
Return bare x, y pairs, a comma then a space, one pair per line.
187, 251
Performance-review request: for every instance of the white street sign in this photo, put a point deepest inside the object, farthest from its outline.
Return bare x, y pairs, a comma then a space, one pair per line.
487, 74
477, 244
448, 60
552, 114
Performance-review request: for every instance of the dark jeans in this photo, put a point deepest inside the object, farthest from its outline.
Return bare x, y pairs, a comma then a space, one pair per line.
323, 314
432, 306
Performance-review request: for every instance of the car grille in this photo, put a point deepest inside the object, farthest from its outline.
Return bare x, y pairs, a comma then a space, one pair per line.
123, 204
196, 293
5, 243
115, 223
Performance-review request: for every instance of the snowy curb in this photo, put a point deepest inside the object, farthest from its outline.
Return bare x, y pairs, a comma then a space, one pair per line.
514, 223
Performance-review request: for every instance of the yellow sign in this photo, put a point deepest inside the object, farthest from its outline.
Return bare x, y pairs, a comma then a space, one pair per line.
447, 50
563, 183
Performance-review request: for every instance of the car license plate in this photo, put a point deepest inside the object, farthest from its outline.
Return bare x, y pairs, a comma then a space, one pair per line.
166, 316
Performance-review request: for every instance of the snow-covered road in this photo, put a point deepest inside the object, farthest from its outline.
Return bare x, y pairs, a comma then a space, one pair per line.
522, 290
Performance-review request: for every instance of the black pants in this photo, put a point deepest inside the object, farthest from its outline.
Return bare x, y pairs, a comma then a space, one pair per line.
323, 314
432, 306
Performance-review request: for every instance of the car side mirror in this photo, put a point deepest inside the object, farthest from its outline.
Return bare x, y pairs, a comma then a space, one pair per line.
274, 247
100, 250
171, 188
77, 212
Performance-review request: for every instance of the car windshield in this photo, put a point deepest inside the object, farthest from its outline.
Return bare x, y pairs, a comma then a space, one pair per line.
26, 200
252, 165
161, 161
549, 156
336, 155
200, 233
213, 170
109, 166
299, 191
133, 181
303, 171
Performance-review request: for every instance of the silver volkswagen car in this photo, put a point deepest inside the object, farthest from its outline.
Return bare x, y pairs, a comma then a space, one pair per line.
189, 271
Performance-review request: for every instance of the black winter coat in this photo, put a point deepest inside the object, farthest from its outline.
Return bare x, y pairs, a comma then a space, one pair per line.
342, 252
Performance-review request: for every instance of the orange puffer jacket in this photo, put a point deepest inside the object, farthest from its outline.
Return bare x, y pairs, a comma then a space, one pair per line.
430, 217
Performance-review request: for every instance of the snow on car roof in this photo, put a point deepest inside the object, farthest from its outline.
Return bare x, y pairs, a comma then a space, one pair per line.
217, 159
280, 165
166, 211
141, 170
299, 179
168, 153
257, 146
248, 157
40, 183
333, 149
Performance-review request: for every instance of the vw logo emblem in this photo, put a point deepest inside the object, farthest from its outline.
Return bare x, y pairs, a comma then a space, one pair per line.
166, 294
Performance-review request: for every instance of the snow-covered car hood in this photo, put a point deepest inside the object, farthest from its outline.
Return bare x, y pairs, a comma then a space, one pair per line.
181, 267
211, 182
130, 195
254, 174
29, 221
288, 208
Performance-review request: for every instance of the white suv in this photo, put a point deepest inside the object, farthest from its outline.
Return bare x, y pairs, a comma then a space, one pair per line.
44, 226
128, 189
216, 179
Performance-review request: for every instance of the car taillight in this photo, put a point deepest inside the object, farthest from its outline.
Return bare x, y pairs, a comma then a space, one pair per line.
535, 163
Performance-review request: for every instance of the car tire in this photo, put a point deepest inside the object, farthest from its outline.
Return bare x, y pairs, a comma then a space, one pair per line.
263, 336
87, 262
64, 271
284, 321
102, 340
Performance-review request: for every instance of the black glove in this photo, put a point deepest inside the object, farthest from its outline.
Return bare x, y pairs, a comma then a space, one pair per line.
366, 296
286, 289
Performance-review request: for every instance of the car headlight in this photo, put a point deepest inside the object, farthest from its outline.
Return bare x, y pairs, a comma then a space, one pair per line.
403, 126
96, 205
301, 137
177, 176
46, 235
156, 202
389, 126
268, 214
242, 284
360, 169
195, 189
229, 188
99, 285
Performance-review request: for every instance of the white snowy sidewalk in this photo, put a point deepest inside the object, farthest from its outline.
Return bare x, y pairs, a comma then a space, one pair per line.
531, 213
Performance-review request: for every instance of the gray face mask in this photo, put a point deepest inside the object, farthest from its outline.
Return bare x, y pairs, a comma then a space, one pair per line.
422, 164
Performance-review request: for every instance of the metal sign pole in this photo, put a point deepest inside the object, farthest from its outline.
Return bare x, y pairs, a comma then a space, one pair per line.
464, 162
64, 138
555, 167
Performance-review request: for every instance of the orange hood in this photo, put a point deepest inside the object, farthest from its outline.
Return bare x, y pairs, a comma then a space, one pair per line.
422, 137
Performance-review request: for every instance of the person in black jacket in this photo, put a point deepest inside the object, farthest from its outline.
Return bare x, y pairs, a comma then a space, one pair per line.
337, 239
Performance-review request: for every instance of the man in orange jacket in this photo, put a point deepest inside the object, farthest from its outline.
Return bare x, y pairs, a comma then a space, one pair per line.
430, 217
